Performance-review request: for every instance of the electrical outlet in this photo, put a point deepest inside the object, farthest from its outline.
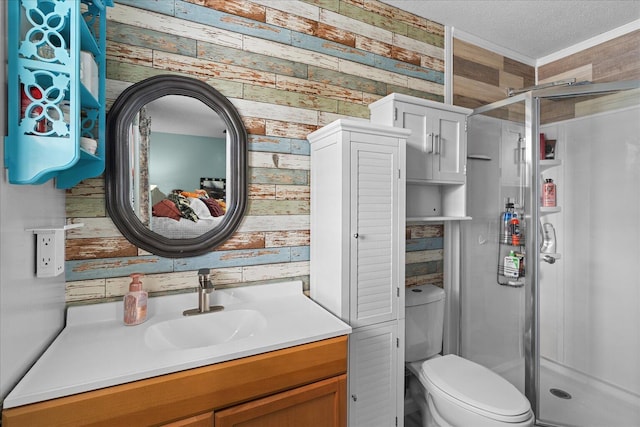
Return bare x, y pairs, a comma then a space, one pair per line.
46, 254
50, 249
49, 252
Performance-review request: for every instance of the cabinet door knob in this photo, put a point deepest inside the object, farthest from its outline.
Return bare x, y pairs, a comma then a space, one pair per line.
354, 397
356, 235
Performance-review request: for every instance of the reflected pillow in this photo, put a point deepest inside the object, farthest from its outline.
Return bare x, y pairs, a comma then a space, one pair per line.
157, 196
166, 208
184, 206
214, 207
193, 194
199, 207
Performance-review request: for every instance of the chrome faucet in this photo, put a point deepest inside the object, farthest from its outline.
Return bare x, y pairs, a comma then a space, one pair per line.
205, 289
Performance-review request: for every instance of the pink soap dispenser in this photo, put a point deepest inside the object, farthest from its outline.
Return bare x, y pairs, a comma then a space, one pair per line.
135, 302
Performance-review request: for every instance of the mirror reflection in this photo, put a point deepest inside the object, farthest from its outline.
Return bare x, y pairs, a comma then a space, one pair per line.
183, 164
179, 167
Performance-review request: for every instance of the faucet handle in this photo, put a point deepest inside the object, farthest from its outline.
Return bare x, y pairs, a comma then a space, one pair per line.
204, 279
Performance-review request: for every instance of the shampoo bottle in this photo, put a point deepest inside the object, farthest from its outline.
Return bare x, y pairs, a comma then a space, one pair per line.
548, 193
507, 215
135, 302
515, 231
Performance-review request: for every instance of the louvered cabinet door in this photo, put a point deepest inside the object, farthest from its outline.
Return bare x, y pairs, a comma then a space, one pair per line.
373, 376
374, 232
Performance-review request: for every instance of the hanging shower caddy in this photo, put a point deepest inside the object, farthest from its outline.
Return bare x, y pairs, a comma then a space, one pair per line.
56, 90
511, 243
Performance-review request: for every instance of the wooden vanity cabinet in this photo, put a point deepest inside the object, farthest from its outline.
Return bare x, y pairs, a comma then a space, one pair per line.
280, 388
203, 420
319, 404
322, 403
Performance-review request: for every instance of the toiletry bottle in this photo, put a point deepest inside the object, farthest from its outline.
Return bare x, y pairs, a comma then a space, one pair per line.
511, 265
514, 227
548, 193
135, 302
506, 222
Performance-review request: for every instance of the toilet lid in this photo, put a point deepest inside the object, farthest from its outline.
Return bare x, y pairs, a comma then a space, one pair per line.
479, 388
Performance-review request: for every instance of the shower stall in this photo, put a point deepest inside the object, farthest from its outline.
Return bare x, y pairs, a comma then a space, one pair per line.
553, 305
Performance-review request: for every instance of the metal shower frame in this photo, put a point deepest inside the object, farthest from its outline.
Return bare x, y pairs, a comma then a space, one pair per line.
531, 100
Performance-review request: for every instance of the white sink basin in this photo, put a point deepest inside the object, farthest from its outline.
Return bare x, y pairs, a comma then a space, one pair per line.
204, 330
96, 350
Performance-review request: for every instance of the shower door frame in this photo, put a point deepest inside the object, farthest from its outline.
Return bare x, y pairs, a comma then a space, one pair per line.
531, 101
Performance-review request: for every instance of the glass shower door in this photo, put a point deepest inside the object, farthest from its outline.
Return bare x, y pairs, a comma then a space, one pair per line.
566, 334
492, 288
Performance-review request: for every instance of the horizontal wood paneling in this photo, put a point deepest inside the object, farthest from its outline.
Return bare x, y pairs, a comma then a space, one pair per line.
289, 67
614, 60
424, 256
481, 76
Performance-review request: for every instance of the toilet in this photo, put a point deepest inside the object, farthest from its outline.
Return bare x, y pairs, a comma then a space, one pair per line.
449, 390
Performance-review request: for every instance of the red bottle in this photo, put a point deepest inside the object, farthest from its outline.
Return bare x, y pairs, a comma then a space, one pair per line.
514, 227
36, 111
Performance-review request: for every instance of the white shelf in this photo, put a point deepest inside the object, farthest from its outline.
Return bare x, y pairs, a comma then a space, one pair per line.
478, 157
546, 164
550, 210
437, 218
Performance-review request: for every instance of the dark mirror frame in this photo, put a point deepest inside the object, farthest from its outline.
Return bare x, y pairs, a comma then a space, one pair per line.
117, 181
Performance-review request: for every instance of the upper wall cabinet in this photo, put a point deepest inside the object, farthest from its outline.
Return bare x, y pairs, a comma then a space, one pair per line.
56, 90
436, 149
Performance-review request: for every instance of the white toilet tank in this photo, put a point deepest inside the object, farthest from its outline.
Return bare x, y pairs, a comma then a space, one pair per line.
424, 318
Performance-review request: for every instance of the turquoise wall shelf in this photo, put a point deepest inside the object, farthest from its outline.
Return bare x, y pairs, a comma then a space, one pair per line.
56, 90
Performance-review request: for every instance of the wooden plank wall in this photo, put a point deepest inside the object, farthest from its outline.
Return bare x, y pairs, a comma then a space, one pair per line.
424, 254
289, 67
481, 76
614, 60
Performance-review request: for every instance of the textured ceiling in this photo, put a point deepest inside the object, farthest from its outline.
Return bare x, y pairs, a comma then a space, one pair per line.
532, 28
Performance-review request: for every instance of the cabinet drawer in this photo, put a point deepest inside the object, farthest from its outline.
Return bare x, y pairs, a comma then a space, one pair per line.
321, 404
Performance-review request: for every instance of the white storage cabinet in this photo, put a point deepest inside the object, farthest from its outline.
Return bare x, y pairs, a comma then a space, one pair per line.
357, 257
437, 146
436, 154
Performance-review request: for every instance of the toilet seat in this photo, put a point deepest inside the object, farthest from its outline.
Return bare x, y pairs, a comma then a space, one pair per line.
475, 388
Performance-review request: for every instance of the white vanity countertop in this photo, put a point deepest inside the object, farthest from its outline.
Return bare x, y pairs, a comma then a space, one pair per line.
97, 350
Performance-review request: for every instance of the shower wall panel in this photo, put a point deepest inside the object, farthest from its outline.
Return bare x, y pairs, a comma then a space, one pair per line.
590, 299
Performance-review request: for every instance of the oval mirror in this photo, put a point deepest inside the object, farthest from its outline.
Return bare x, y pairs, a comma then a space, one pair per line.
176, 168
